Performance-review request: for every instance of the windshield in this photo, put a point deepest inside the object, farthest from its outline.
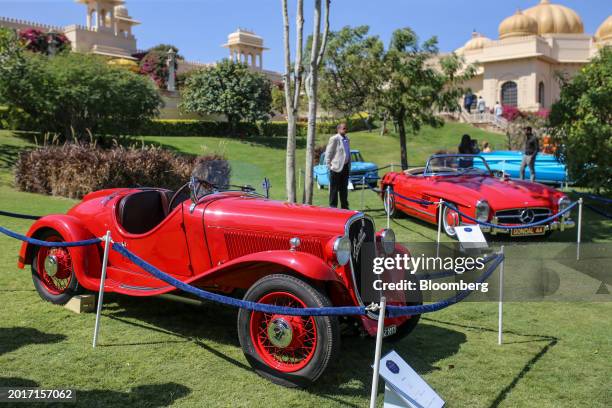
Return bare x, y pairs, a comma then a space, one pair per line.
446, 165
356, 157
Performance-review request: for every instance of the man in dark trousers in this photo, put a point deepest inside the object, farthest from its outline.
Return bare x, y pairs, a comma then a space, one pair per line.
529, 154
338, 161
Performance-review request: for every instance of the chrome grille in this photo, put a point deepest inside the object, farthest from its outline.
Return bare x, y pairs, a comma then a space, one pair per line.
241, 243
522, 215
360, 230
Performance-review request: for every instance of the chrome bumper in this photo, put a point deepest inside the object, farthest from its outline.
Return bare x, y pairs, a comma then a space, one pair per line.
553, 226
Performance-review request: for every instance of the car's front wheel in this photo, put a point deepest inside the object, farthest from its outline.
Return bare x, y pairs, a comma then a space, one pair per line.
288, 350
450, 220
53, 272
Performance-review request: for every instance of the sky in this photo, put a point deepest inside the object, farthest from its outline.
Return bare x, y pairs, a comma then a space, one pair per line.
199, 27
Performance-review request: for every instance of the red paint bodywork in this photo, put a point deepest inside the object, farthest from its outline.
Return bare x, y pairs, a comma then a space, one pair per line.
227, 242
465, 191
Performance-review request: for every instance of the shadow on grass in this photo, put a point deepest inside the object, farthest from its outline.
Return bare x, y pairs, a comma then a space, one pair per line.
150, 395
8, 156
550, 343
13, 338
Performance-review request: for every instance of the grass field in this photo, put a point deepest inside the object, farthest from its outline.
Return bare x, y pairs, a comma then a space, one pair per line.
157, 353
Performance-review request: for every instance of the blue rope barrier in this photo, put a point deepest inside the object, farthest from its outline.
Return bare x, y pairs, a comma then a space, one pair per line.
396, 311
533, 224
38, 242
598, 211
292, 311
22, 216
230, 301
594, 197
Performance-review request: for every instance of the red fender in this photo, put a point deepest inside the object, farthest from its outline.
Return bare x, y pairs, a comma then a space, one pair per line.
86, 260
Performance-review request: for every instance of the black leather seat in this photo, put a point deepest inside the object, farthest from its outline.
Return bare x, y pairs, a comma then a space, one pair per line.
141, 212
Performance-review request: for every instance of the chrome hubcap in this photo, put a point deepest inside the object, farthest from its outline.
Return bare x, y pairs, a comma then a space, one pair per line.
51, 265
279, 332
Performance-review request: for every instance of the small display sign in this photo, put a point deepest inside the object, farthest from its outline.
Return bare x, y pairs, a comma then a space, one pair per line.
471, 237
406, 387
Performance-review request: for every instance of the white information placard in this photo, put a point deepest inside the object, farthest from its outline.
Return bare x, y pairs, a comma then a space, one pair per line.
471, 237
407, 385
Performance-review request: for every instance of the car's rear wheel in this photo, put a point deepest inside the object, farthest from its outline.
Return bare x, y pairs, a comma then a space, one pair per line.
53, 272
292, 351
450, 220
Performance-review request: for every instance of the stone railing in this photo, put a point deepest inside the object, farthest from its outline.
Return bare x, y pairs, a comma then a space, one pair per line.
18, 23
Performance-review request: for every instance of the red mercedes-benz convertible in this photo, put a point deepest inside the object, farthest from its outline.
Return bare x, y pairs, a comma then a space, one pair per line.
234, 242
467, 182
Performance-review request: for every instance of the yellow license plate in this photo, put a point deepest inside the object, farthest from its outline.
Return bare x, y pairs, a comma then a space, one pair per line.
527, 232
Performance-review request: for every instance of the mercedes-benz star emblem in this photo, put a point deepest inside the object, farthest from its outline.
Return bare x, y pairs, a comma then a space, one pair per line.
527, 216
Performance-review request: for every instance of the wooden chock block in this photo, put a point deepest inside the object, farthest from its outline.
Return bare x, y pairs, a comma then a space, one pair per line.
82, 304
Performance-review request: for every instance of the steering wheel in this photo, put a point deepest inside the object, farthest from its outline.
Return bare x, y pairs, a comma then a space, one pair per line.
176, 195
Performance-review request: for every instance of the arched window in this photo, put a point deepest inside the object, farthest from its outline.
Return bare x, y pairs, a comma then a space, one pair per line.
509, 94
541, 95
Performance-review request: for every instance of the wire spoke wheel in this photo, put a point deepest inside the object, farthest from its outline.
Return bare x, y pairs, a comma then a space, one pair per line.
286, 343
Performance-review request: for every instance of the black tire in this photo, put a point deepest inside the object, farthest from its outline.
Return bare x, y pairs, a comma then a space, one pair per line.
73, 288
327, 329
392, 210
447, 228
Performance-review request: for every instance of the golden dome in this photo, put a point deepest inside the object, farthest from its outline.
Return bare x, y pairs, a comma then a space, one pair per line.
604, 32
478, 41
121, 11
555, 19
518, 25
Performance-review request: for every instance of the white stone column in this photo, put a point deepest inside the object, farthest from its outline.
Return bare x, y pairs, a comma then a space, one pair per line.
88, 20
261, 61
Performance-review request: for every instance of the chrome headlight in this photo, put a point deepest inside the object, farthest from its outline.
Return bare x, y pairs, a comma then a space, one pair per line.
342, 250
564, 202
387, 238
482, 210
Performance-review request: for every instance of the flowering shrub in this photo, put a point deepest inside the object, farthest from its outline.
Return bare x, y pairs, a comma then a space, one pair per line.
36, 40
511, 113
154, 66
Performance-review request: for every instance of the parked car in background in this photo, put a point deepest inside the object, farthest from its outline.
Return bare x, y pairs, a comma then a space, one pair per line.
234, 242
467, 182
361, 171
549, 170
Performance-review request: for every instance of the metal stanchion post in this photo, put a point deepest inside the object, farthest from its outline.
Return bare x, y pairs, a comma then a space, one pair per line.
579, 236
299, 180
501, 300
392, 167
363, 187
388, 200
107, 245
379, 339
440, 207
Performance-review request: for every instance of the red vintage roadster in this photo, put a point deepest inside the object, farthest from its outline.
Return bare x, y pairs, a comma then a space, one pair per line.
467, 182
234, 242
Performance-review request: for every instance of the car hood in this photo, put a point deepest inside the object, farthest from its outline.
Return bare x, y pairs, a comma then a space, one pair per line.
500, 193
262, 215
363, 166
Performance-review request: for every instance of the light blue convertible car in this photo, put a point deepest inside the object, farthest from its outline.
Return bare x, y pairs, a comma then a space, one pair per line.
360, 171
548, 169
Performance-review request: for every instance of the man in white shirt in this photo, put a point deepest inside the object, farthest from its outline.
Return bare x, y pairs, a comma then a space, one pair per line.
482, 105
338, 161
499, 111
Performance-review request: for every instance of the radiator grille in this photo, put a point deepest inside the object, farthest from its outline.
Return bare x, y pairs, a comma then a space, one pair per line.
522, 215
243, 243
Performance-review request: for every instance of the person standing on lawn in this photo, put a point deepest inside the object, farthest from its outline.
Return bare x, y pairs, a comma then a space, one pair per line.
338, 161
529, 154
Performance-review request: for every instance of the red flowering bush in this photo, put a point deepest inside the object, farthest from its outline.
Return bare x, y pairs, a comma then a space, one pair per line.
154, 66
36, 40
511, 113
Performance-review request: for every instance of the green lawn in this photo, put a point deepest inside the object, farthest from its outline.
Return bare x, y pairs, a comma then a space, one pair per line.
156, 353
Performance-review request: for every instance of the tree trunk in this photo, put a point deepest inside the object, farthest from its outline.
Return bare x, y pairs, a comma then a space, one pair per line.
312, 81
383, 128
402, 134
292, 95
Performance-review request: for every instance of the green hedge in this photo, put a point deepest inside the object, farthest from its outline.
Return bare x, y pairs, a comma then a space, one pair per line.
168, 127
4, 124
